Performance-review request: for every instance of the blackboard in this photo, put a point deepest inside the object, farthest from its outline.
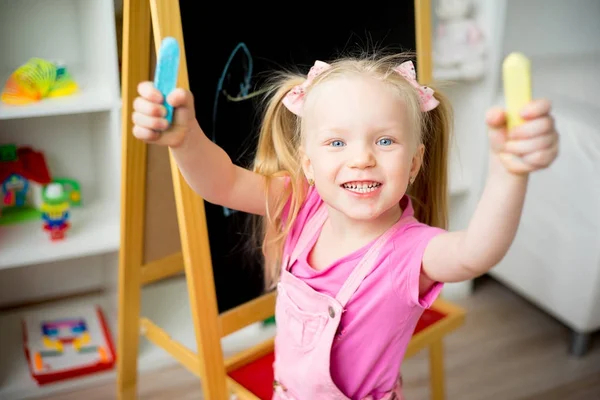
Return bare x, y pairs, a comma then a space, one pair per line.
232, 47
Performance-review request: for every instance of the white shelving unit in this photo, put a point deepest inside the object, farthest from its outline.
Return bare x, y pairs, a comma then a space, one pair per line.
78, 134
80, 138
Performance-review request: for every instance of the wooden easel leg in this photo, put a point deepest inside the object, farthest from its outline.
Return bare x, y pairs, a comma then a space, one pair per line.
195, 247
136, 68
436, 370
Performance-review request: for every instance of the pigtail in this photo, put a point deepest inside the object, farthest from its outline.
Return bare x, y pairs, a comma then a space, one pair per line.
277, 156
429, 192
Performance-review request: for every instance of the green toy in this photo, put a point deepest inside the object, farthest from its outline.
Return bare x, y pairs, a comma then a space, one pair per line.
24, 176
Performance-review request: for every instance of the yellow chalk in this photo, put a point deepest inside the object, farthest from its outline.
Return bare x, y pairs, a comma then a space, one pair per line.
516, 75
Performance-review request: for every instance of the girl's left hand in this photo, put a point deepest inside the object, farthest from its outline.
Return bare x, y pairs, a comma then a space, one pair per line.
528, 147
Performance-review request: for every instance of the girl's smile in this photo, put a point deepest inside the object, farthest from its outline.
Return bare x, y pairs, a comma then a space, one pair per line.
362, 188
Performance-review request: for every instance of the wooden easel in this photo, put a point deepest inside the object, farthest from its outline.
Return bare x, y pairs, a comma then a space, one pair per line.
142, 262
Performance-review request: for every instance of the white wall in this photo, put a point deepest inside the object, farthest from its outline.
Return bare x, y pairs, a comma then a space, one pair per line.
542, 28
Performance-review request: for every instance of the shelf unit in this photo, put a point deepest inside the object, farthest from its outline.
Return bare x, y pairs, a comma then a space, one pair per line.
78, 134
80, 138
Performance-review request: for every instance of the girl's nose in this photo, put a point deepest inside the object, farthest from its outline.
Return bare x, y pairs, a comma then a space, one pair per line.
363, 158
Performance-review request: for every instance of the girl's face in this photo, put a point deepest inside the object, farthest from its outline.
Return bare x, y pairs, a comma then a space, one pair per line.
359, 147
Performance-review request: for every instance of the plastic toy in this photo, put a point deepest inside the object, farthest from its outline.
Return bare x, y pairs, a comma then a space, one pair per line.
516, 75
167, 67
67, 343
269, 321
55, 211
35, 80
59, 333
73, 189
24, 176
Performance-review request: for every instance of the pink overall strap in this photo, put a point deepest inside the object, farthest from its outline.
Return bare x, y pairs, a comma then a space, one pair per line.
308, 232
363, 268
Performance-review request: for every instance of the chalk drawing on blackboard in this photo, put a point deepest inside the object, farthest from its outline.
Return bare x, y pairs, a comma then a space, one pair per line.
242, 94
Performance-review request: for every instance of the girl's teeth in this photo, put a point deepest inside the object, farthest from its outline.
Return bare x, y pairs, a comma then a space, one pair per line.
362, 187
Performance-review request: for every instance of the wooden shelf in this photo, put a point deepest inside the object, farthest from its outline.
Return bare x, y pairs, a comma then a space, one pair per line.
94, 230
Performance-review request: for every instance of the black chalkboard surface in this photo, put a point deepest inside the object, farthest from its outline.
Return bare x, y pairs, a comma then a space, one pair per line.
229, 49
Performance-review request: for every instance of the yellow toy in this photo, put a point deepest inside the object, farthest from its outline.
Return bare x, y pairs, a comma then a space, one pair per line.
35, 80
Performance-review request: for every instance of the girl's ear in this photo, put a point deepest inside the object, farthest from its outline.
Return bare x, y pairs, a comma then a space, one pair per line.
417, 161
306, 164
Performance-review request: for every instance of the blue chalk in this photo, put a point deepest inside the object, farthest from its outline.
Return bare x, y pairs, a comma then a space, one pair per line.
167, 68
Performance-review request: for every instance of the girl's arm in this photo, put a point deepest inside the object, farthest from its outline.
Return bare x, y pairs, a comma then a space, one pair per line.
208, 169
463, 255
205, 166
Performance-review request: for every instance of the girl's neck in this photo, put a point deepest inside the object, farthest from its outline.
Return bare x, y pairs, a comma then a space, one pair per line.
351, 230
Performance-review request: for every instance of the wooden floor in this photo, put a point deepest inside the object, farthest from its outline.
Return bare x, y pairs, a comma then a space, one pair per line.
507, 350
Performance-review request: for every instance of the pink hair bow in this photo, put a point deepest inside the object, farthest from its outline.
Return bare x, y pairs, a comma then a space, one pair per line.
426, 99
294, 99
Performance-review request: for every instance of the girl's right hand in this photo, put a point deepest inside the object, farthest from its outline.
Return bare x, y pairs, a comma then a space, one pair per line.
149, 114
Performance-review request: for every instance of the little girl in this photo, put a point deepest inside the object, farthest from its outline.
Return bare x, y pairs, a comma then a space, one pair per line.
350, 179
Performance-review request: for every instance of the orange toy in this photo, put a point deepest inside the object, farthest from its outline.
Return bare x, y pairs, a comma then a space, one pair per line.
35, 80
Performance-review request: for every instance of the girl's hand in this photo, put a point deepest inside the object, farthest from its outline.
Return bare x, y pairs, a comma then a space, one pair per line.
528, 147
149, 114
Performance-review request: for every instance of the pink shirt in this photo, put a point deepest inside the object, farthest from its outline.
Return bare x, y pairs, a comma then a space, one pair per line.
380, 318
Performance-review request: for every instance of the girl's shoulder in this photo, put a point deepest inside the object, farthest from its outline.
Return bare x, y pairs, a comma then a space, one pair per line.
403, 260
413, 235
312, 202
413, 230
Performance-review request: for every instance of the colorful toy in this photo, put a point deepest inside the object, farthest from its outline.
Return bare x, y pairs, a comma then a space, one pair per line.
24, 177
23, 174
73, 189
55, 211
35, 80
67, 344
57, 334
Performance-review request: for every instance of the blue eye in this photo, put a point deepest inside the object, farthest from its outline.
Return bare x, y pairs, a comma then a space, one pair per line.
385, 142
337, 143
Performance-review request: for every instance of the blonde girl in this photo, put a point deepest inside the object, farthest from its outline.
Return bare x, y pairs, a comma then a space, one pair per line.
350, 182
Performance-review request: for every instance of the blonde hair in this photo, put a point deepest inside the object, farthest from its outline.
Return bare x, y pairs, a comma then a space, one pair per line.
280, 137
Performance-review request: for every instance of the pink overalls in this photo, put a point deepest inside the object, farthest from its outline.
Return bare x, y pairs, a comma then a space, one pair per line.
307, 324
